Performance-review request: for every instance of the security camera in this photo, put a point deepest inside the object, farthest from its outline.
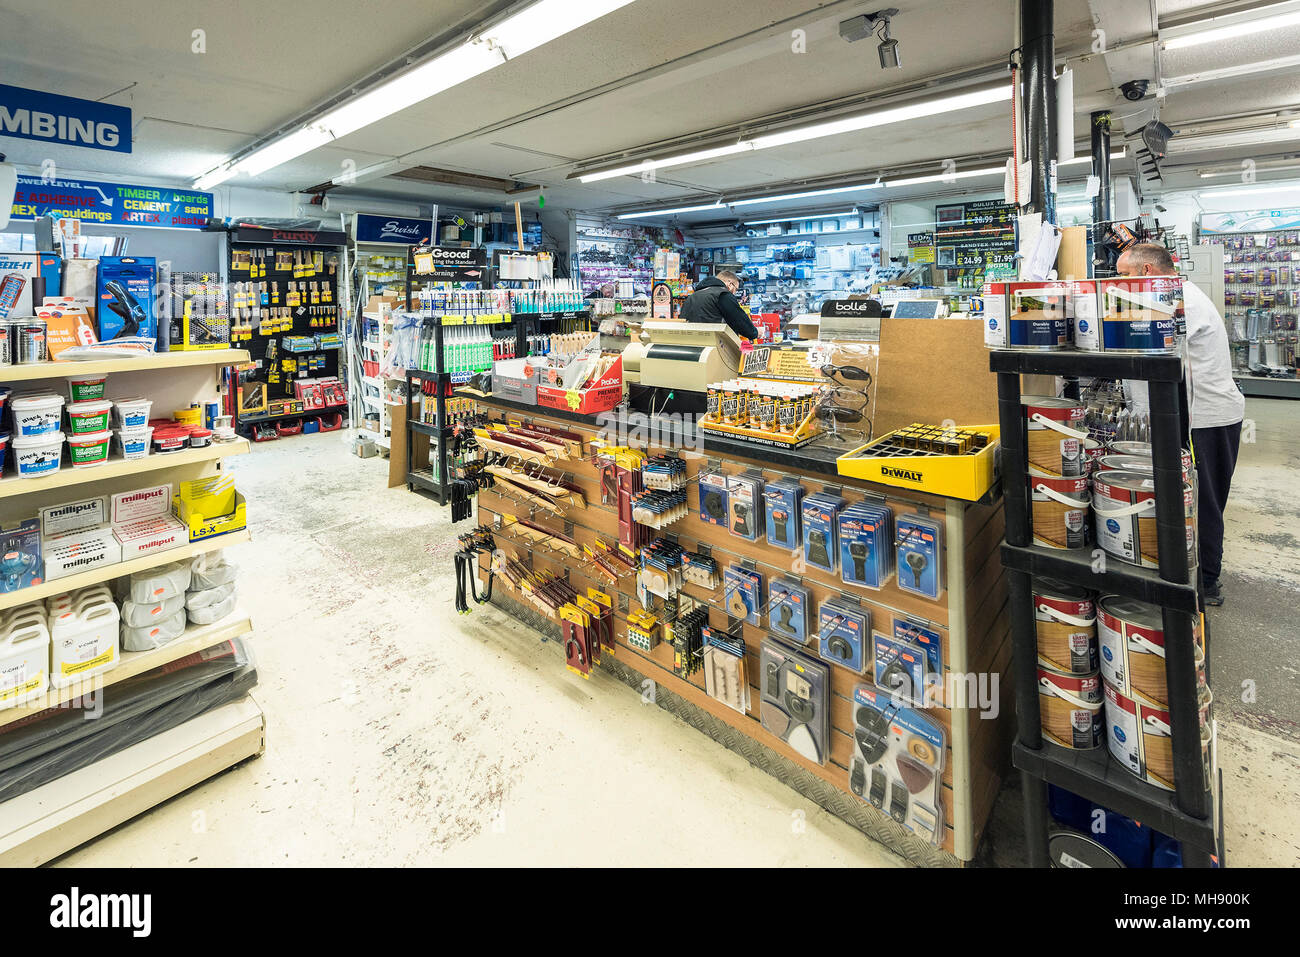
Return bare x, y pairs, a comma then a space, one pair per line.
861, 27
1135, 89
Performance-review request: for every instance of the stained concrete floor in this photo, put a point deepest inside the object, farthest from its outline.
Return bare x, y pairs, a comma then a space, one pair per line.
399, 733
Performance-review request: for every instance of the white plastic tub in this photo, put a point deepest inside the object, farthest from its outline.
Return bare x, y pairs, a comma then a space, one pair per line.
38, 414
87, 418
87, 450
82, 388
132, 413
37, 455
134, 443
24, 660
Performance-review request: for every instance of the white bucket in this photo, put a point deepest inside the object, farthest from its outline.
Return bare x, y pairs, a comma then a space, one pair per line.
37, 414
87, 418
37, 455
87, 450
84, 639
134, 443
132, 413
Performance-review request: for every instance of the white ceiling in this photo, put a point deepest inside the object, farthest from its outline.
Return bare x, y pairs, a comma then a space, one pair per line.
652, 72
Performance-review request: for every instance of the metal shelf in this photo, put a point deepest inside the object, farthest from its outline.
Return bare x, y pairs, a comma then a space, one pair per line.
427, 429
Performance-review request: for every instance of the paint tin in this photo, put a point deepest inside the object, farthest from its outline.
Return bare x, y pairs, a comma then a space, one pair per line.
1093, 452
1060, 509
8, 343
1138, 736
1038, 316
1138, 314
1065, 621
1071, 708
1132, 639
32, 343
1142, 449
1053, 434
1124, 517
211, 409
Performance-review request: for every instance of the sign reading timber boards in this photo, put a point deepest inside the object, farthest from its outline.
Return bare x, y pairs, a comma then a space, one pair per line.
974, 236
456, 265
51, 118
113, 204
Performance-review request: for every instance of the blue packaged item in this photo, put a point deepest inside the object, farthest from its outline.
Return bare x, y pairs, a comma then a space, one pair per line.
1125, 838
745, 506
919, 543
20, 556
125, 298
866, 544
713, 498
1068, 808
842, 634
782, 500
742, 591
909, 663
820, 530
787, 610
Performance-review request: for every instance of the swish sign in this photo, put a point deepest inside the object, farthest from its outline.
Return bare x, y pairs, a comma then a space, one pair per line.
393, 230
51, 118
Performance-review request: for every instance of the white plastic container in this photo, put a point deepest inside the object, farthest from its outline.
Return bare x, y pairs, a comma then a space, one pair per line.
88, 418
154, 635
85, 387
132, 412
24, 659
134, 443
37, 414
88, 450
84, 638
37, 455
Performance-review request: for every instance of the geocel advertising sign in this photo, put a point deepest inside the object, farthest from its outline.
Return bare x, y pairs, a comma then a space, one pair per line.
452, 263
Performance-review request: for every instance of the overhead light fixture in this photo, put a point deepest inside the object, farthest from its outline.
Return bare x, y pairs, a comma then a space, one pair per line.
807, 194
530, 28
1231, 28
983, 96
1254, 190
798, 219
670, 212
1234, 138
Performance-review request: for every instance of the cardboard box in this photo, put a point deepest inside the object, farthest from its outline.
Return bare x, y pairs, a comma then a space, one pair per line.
29, 266
510, 382
201, 525
140, 504
80, 551
149, 535
20, 556
65, 327
603, 396
73, 517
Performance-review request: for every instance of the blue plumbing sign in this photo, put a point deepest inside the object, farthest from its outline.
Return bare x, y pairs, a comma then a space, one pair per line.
113, 204
398, 230
51, 118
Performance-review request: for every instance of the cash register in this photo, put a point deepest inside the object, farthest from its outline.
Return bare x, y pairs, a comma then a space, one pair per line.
669, 369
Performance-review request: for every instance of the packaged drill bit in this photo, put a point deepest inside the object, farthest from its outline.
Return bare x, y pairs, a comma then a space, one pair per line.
782, 500
745, 506
919, 543
866, 544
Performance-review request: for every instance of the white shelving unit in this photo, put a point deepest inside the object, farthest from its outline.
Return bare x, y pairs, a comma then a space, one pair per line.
56, 817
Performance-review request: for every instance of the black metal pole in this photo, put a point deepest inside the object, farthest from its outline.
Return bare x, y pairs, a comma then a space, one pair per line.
1101, 203
1038, 62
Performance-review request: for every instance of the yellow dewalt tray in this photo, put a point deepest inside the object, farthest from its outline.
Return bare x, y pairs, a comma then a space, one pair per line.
957, 461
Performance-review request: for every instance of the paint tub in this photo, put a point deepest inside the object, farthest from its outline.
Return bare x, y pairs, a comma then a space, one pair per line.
200, 438
32, 342
132, 413
190, 416
1124, 517
1132, 639
8, 344
1138, 736
134, 443
88, 418
1053, 434
88, 450
1065, 621
1093, 452
1070, 708
4, 448
169, 438
37, 455
1138, 314
86, 388
37, 414
1060, 509
1037, 317
4, 396
1141, 462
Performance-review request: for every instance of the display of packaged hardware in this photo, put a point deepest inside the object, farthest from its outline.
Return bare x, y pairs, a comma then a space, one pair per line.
700, 570
897, 765
688, 641
659, 508
664, 472
842, 630
642, 630
782, 501
820, 512
745, 506
742, 591
908, 664
713, 498
794, 696
661, 568
866, 531
787, 609
725, 677
919, 541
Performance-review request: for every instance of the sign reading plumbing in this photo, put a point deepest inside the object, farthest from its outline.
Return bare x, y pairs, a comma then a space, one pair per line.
51, 118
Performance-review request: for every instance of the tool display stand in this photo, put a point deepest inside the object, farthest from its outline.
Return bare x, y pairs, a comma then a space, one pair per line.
1189, 813
431, 478
969, 615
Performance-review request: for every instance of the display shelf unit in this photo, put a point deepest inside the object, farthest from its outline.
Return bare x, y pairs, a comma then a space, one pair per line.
68, 477
434, 478
304, 414
1191, 812
159, 360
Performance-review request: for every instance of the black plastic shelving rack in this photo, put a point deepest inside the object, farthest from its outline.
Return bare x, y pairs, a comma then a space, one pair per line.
1189, 813
434, 478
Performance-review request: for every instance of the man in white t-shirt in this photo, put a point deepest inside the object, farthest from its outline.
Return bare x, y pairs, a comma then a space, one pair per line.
1216, 406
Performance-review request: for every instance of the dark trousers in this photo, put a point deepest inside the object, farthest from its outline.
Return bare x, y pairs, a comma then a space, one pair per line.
1216, 460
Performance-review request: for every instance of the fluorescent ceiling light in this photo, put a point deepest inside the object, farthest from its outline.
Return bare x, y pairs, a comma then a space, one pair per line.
527, 30
944, 177
798, 219
806, 195
849, 124
668, 212
1254, 190
1230, 31
1235, 138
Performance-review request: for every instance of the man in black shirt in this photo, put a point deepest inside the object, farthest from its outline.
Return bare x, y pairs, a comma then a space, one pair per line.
714, 300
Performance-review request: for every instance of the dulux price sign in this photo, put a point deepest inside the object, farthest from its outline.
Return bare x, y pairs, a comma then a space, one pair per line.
51, 118
395, 230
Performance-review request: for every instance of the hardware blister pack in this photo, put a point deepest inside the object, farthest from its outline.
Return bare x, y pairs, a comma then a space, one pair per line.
661, 569
782, 501
866, 531
688, 640
713, 498
659, 508
787, 609
898, 757
700, 569
820, 529
842, 630
919, 540
794, 694
642, 630
908, 664
725, 677
742, 590
745, 506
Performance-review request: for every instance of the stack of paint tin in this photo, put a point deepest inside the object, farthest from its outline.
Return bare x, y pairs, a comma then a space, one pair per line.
1128, 314
1069, 682
1055, 440
1124, 505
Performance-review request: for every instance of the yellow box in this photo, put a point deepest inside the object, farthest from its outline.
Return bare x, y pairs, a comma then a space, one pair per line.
957, 476
209, 525
214, 495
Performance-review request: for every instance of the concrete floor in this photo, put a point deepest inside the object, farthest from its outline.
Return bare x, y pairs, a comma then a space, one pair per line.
400, 733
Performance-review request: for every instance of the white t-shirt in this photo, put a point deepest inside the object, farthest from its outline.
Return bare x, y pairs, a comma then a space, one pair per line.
1214, 399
